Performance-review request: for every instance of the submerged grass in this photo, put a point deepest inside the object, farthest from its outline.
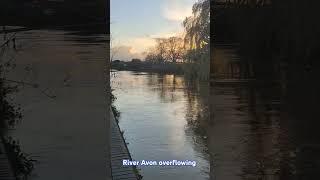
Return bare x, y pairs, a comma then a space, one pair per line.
116, 114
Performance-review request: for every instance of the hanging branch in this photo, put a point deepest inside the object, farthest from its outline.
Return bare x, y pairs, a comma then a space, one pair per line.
12, 37
34, 85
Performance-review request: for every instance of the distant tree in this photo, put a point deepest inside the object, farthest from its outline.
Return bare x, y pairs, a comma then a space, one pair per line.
166, 50
151, 57
174, 48
136, 60
160, 50
157, 54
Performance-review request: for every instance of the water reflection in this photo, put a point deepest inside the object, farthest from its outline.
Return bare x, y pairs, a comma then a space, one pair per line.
62, 124
253, 132
163, 118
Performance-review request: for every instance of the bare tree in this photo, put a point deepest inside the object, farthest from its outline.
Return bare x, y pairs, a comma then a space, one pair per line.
161, 49
166, 50
174, 49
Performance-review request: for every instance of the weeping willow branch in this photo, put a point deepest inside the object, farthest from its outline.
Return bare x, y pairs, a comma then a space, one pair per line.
197, 26
197, 39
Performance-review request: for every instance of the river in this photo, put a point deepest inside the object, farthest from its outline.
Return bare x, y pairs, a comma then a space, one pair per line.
254, 133
162, 117
251, 132
64, 123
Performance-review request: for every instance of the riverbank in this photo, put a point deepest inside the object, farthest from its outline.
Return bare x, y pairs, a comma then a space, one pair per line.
142, 66
119, 152
193, 70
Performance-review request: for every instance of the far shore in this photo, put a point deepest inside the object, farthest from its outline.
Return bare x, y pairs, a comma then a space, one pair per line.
143, 66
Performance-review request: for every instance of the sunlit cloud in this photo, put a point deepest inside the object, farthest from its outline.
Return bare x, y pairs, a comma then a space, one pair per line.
125, 53
140, 44
133, 48
136, 47
177, 10
167, 34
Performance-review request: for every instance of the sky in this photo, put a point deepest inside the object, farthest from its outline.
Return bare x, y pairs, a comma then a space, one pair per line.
136, 23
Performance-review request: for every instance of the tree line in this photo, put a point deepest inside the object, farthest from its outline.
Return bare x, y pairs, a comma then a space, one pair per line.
192, 48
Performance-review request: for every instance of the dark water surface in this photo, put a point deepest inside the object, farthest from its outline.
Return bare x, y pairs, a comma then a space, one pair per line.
253, 132
64, 119
162, 116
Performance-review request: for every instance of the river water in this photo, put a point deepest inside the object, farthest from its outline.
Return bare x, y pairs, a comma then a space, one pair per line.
254, 133
162, 117
250, 134
64, 123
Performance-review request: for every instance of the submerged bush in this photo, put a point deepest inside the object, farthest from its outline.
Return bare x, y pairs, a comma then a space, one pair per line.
22, 164
115, 112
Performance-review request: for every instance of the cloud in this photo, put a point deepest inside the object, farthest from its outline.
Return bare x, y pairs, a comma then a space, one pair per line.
130, 48
173, 12
137, 46
177, 10
140, 44
124, 53
166, 34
